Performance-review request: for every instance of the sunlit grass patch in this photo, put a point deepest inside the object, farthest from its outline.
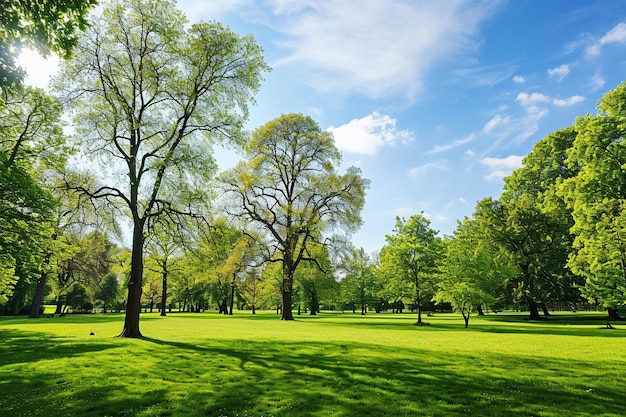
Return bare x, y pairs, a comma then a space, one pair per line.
330, 365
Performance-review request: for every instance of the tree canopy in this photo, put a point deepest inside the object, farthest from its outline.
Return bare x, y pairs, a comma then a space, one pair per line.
150, 96
290, 189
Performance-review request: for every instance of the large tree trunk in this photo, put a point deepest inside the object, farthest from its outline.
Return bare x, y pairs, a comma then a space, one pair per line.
613, 313
287, 290
544, 308
41, 284
133, 304
534, 310
479, 309
164, 293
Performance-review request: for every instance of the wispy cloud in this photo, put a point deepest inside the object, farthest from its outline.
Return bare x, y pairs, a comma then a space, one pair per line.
519, 79
419, 170
373, 47
368, 134
616, 35
566, 102
501, 167
454, 144
559, 72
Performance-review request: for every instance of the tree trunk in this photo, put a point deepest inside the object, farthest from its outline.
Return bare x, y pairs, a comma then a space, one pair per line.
133, 304
253, 309
534, 310
314, 302
164, 294
41, 283
287, 290
224, 306
613, 313
59, 308
479, 310
544, 308
466, 317
232, 299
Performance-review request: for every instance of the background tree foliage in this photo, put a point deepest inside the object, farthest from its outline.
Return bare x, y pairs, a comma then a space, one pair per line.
290, 190
597, 198
410, 260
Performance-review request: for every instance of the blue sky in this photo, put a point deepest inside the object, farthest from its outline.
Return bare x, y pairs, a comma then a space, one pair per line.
435, 101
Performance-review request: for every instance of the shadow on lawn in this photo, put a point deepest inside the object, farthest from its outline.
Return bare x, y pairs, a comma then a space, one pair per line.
229, 378
319, 379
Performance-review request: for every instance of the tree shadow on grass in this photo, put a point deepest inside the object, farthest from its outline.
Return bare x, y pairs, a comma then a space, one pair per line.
228, 378
320, 379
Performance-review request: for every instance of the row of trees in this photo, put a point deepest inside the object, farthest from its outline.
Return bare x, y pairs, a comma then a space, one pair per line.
150, 95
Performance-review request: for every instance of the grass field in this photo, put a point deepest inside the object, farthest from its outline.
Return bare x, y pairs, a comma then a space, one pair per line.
329, 365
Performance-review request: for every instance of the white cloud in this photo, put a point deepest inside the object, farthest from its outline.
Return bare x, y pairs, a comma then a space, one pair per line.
501, 167
494, 122
566, 102
532, 100
368, 134
456, 143
616, 35
373, 47
559, 72
417, 171
519, 79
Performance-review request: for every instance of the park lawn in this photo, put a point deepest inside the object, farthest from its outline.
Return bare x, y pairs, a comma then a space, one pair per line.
332, 364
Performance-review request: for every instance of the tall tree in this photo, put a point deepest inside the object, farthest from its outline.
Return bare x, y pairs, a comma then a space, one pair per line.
533, 236
31, 143
151, 95
290, 189
597, 198
45, 25
474, 270
543, 170
411, 257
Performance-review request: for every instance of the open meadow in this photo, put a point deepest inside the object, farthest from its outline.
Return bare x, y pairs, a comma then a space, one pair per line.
332, 364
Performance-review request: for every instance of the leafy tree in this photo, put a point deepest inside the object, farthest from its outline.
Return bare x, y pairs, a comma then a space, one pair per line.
315, 278
78, 299
359, 283
597, 198
151, 95
30, 141
411, 256
473, 271
544, 170
108, 291
290, 190
533, 237
45, 25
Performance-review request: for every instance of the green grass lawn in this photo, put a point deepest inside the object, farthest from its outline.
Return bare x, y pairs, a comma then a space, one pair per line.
330, 365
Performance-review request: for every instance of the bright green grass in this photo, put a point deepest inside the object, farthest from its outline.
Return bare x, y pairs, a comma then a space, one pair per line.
330, 365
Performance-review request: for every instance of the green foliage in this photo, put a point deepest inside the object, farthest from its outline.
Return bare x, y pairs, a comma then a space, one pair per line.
290, 189
474, 270
410, 260
45, 25
597, 198
325, 365
108, 291
150, 96
78, 299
